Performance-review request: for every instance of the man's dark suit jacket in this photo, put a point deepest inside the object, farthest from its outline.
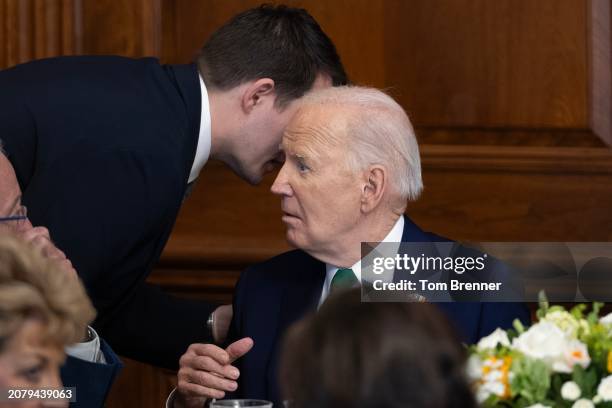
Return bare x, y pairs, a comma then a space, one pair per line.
92, 381
272, 295
102, 148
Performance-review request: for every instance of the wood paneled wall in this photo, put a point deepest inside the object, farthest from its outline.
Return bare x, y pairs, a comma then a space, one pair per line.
511, 100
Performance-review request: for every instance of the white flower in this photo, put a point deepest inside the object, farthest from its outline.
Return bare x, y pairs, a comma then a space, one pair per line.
488, 388
604, 390
583, 403
491, 341
607, 319
482, 394
546, 342
474, 368
570, 391
493, 376
496, 387
538, 405
563, 320
577, 353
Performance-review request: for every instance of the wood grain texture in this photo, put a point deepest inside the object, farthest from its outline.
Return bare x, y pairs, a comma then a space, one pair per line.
516, 194
141, 385
32, 29
128, 28
600, 63
505, 136
479, 63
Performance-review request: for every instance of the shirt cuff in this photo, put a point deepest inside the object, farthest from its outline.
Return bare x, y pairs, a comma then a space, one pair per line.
88, 350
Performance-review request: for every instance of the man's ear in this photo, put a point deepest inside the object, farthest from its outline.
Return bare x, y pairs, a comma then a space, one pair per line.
256, 93
373, 189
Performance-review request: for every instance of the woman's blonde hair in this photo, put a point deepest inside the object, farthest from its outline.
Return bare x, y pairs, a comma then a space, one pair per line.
32, 286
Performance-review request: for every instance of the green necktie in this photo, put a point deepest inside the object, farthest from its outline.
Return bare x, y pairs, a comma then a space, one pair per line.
343, 279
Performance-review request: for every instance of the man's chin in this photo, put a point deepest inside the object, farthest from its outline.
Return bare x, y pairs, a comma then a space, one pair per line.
291, 238
253, 178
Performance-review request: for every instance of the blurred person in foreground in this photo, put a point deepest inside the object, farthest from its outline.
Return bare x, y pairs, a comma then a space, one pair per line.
42, 310
91, 365
367, 355
351, 164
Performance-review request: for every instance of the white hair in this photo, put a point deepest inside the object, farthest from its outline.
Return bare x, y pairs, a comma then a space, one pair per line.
379, 132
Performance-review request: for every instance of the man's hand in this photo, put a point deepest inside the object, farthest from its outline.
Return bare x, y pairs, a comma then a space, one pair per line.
206, 372
40, 239
222, 319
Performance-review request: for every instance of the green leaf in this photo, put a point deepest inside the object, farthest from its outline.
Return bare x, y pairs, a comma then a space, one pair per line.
518, 326
578, 311
531, 379
587, 380
543, 304
593, 317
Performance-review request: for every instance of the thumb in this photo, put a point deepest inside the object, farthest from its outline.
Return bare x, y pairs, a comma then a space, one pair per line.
239, 348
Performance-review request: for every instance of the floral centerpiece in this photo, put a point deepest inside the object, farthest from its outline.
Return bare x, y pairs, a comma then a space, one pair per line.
563, 360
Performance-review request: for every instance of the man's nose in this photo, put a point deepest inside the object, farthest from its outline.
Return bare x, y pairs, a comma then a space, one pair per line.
281, 184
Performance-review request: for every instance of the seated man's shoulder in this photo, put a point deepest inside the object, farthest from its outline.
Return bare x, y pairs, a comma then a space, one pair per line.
295, 262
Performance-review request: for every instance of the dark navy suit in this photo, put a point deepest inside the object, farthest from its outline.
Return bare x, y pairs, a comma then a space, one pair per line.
102, 148
92, 381
272, 295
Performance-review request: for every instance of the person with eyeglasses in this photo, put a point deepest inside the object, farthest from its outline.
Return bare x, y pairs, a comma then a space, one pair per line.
91, 365
14, 217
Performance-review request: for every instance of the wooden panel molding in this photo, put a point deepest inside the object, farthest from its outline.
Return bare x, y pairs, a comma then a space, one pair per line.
600, 86
219, 229
557, 161
510, 66
32, 29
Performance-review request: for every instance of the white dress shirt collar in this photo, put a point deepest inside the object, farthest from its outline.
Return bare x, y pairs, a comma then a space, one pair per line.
395, 235
204, 138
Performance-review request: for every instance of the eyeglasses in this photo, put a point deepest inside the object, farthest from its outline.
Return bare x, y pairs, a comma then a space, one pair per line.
20, 216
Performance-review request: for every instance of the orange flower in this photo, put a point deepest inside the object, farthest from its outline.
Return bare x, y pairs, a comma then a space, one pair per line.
610, 361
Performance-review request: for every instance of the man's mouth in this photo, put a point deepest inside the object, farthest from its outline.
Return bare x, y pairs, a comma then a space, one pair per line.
288, 216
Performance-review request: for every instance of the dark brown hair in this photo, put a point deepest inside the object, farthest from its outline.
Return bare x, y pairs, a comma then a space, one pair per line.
374, 355
282, 43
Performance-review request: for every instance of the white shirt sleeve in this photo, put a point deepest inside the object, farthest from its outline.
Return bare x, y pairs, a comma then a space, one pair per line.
89, 350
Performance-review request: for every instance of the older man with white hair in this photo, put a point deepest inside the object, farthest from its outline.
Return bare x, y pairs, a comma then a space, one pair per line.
351, 164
